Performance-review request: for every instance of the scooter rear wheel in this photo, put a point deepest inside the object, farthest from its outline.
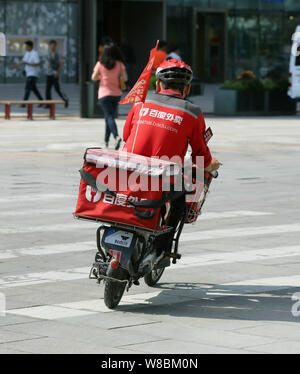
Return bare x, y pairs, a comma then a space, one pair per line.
114, 290
153, 277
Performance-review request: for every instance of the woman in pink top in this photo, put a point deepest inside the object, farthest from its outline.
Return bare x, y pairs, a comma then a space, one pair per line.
109, 70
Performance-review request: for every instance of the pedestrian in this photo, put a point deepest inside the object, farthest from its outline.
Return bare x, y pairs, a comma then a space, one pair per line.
55, 65
160, 54
31, 61
174, 53
110, 71
104, 41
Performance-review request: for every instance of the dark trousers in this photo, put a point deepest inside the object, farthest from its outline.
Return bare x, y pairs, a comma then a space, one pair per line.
31, 86
164, 241
54, 81
109, 105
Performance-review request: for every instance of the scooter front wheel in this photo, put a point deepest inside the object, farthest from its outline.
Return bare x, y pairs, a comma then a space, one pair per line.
153, 277
114, 290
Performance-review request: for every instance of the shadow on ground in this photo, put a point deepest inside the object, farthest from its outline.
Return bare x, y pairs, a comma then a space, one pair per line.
198, 300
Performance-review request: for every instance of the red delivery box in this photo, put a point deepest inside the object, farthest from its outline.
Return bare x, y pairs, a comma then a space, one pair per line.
125, 188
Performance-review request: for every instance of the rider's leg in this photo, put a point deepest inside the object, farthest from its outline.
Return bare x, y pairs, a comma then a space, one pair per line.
164, 242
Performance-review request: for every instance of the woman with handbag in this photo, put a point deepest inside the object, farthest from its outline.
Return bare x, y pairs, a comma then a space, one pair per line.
110, 71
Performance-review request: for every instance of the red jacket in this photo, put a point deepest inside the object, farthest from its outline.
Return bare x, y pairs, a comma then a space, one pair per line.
167, 125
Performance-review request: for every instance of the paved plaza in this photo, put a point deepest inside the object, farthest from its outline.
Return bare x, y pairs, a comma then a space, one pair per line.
235, 290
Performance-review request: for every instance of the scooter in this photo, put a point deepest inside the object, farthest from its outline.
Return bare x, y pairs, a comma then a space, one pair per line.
125, 255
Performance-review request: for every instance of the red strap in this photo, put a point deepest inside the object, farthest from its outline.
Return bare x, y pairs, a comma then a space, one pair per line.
171, 93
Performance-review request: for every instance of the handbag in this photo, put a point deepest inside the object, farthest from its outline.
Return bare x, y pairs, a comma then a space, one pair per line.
122, 84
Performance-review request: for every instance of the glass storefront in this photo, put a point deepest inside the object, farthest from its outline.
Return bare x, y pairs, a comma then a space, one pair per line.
255, 35
219, 38
39, 21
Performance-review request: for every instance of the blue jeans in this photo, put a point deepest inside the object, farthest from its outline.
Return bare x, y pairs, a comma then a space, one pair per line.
109, 105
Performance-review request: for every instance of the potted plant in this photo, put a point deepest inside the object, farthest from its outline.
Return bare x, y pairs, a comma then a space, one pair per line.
246, 95
242, 95
276, 98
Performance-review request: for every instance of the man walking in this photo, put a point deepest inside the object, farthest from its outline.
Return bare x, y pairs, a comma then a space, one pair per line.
31, 61
55, 64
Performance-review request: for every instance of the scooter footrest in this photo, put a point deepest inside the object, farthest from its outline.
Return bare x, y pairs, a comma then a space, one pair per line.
176, 256
163, 263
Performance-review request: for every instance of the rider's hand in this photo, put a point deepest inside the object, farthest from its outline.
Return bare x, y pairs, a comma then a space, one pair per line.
214, 165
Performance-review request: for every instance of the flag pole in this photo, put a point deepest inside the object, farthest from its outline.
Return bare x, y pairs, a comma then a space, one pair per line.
137, 127
139, 91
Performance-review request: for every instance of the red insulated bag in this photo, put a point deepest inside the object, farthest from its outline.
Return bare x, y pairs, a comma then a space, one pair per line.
110, 188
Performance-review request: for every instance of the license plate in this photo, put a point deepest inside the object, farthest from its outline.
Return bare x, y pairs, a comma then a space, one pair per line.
119, 237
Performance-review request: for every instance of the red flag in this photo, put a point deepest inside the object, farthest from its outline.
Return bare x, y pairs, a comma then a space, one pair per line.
139, 90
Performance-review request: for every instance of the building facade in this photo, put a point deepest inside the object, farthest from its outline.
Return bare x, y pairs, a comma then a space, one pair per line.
39, 21
219, 38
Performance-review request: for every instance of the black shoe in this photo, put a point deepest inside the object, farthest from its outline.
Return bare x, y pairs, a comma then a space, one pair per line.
22, 105
41, 106
118, 142
66, 103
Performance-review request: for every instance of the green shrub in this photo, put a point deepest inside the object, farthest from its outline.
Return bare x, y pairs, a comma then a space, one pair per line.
275, 84
266, 84
247, 81
242, 85
152, 83
269, 84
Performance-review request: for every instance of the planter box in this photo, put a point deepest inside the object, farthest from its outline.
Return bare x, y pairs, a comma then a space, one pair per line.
278, 101
250, 101
234, 102
197, 87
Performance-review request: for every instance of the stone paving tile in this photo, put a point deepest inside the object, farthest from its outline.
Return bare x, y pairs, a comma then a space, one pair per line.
221, 324
273, 330
7, 351
62, 346
7, 335
10, 319
284, 347
199, 335
215, 323
115, 320
170, 346
87, 335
